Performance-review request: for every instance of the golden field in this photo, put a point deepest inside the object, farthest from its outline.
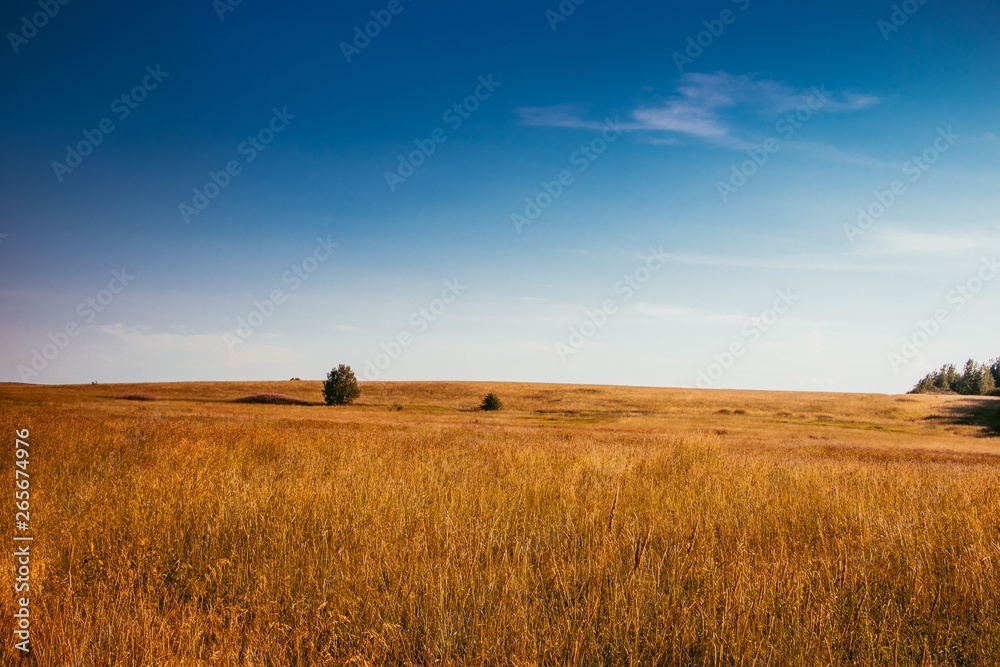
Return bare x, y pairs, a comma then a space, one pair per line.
582, 525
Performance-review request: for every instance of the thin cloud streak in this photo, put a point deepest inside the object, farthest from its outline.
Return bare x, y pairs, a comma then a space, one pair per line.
695, 111
893, 241
797, 264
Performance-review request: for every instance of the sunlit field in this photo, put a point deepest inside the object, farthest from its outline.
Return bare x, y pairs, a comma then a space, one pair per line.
578, 526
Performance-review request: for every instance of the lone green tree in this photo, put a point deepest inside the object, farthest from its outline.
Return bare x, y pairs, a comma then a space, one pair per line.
491, 402
341, 387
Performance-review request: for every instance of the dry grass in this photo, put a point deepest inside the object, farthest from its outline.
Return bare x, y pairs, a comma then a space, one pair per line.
579, 526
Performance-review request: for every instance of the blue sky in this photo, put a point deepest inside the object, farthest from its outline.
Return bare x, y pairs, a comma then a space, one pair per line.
648, 193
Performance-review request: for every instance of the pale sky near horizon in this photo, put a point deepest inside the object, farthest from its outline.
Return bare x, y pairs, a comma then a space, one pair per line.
733, 194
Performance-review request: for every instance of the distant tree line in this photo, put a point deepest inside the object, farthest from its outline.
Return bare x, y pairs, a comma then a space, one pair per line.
976, 379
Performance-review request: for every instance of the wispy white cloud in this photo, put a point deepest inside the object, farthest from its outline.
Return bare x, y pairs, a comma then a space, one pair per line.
888, 249
693, 316
661, 141
695, 110
804, 263
894, 241
832, 153
563, 115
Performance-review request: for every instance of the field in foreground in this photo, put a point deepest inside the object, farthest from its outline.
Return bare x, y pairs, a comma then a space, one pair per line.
580, 526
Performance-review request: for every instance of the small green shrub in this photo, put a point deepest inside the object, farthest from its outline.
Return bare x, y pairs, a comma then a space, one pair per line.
491, 402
